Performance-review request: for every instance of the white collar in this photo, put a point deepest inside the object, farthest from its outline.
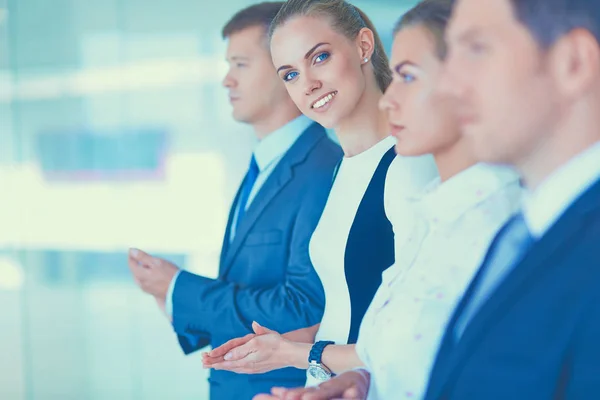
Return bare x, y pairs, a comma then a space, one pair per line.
446, 202
555, 194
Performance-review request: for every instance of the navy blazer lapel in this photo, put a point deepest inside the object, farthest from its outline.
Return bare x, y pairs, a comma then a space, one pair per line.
558, 238
440, 371
278, 179
226, 238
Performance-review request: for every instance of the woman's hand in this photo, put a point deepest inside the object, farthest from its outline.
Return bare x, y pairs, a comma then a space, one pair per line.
263, 351
349, 385
217, 355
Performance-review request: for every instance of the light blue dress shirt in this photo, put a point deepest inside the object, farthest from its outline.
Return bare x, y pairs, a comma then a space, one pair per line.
542, 208
268, 152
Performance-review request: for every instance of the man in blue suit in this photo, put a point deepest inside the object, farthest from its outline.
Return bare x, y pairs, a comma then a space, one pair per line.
265, 271
527, 75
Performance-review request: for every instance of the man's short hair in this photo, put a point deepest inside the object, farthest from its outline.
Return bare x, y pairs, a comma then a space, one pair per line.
549, 20
261, 14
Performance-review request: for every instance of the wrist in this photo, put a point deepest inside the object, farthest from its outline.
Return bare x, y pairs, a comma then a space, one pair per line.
296, 354
326, 356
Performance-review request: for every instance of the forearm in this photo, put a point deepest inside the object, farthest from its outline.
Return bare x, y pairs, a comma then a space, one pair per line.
202, 302
341, 358
304, 335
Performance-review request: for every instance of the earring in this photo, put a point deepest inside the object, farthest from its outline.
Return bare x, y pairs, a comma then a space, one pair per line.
366, 59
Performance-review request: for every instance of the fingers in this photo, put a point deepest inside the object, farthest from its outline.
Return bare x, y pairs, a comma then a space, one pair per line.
230, 345
138, 268
307, 393
352, 393
240, 352
142, 258
292, 394
325, 392
350, 385
247, 364
260, 330
139, 272
278, 391
337, 388
240, 371
248, 368
135, 269
209, 362
265, 397
216, 358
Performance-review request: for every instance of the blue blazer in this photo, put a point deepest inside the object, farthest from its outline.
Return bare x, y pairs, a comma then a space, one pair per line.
538, 335
265, 273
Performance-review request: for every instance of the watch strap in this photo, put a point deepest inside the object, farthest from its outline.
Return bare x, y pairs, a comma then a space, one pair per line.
316, 352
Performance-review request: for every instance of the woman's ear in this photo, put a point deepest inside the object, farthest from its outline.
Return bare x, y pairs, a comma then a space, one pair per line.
365, 41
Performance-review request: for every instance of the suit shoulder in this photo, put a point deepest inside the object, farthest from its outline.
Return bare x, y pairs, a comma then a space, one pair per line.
325, 154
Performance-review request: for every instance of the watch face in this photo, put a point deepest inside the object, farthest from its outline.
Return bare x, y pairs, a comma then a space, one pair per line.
317, 372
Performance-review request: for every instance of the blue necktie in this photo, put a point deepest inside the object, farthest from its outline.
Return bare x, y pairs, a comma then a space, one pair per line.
512, 244
247, 186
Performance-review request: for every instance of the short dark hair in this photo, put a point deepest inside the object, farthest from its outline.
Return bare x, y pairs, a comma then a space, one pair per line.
261, 14
433, 15
549, 20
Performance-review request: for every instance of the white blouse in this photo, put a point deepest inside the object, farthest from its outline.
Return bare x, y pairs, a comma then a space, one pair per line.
439, 247
328, 243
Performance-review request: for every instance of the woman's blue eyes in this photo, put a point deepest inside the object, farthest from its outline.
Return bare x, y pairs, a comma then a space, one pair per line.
322, 57
406, 77
290, 75
318, 59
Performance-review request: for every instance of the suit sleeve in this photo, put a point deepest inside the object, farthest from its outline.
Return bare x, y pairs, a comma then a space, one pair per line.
583, 370
203, 307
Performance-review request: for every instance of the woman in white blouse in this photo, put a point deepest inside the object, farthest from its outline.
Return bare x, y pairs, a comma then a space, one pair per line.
452, 224
335, 69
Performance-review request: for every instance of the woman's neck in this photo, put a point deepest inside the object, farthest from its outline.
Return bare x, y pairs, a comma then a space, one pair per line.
454, 159
365, 127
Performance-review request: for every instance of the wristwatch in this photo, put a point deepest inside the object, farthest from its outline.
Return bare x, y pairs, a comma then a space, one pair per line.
316, 369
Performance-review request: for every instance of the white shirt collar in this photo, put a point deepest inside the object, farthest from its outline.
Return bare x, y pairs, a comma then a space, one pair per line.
550, 200
446, 202
278, 142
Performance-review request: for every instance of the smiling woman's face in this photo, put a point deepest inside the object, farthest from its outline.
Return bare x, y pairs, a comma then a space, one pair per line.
321, 68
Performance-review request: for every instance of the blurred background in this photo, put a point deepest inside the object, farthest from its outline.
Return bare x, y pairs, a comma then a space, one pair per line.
114, 132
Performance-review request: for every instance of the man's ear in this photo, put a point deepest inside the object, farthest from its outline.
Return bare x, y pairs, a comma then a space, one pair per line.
575, 63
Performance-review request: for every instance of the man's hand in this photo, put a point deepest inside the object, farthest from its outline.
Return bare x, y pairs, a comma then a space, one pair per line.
163, 309
152, 274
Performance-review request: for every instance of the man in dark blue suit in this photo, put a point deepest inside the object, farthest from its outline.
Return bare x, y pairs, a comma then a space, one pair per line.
527, 76
265, 271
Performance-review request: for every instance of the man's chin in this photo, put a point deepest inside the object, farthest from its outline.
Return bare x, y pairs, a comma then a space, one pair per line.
486, 152
471, 131
480, 147
240, 119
